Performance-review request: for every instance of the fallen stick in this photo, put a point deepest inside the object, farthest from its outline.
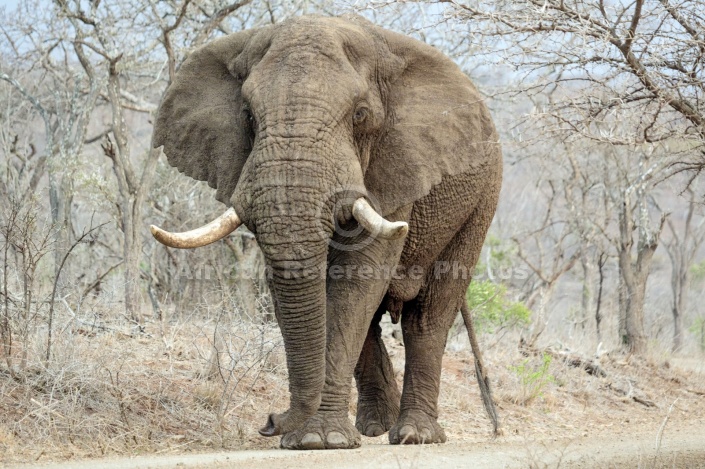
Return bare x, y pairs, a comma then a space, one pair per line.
572, 360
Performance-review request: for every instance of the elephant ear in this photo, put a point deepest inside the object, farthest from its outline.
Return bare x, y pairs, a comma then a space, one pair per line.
437, 123
201, 121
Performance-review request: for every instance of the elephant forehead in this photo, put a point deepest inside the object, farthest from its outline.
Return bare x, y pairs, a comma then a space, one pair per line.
313, 53
302, 87
329, 34
306, 58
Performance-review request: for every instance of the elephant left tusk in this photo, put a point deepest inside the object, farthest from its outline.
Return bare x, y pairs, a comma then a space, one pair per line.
207, 234
376, 223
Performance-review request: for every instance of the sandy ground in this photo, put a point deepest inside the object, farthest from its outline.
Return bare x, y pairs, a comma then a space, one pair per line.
679, 448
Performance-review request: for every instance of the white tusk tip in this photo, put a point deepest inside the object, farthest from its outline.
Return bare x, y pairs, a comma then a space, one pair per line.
399, 230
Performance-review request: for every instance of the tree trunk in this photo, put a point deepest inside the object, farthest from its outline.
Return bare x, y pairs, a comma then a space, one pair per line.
679, 285
631, 307
587, 303
598, 305
133, 220
677, 330
132, 246
245, 277
634, 273
682, 248
133, 190
60, 199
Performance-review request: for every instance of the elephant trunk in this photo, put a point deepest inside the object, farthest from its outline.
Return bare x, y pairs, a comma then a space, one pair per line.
293, 235
300, 306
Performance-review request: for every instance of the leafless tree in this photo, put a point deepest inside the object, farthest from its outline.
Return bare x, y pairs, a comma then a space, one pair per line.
599, 206
626, 73
64, 108
26, 240
682, 247
636, 240
90, 72
551, 257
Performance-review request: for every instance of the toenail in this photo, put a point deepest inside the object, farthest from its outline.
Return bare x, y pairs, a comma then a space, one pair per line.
405, 433
336, 439
312, 441
374, 430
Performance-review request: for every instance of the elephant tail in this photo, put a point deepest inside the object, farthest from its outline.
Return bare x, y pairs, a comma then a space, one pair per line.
482, 379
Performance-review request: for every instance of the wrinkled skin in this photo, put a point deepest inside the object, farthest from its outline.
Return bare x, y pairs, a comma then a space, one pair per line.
290, 123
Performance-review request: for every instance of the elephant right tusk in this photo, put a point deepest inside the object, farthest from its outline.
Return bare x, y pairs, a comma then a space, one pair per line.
376, 223
207, 234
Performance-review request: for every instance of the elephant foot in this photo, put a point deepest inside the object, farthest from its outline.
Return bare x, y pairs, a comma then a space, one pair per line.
323, 432
416, 428
376, 416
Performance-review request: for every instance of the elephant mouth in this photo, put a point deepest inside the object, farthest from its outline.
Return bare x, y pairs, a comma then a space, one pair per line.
229, 221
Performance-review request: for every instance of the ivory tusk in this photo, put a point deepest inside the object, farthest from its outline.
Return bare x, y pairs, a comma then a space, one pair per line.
207, 234
376, 223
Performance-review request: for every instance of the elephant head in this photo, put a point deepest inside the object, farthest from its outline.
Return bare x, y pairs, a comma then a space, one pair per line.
283, 121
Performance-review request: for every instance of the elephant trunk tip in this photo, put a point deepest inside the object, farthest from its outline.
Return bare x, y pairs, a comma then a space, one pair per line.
270, 428
295, 417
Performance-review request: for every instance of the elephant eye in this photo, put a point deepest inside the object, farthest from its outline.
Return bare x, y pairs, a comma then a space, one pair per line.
360, 116
250, 118
251, 125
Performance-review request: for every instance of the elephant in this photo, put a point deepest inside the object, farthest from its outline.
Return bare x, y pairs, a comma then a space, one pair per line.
368, 168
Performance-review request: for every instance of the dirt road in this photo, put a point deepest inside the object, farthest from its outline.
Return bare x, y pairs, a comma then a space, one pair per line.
679, 448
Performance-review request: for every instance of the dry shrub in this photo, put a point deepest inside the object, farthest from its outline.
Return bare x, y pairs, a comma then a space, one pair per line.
113, 391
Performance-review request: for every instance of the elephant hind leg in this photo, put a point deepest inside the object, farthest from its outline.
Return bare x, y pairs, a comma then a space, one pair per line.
378, 394
426, 321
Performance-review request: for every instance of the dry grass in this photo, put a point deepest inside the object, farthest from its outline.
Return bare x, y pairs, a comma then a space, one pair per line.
116, 393
167, 390
574, 403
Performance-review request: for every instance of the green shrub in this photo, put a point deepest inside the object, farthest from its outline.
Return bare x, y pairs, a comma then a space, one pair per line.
501, 256
698, 329
533, 380
698, 271
492, 309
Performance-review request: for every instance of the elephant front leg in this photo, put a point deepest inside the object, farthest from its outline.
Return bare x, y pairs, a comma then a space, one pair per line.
356, 283
378, 394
